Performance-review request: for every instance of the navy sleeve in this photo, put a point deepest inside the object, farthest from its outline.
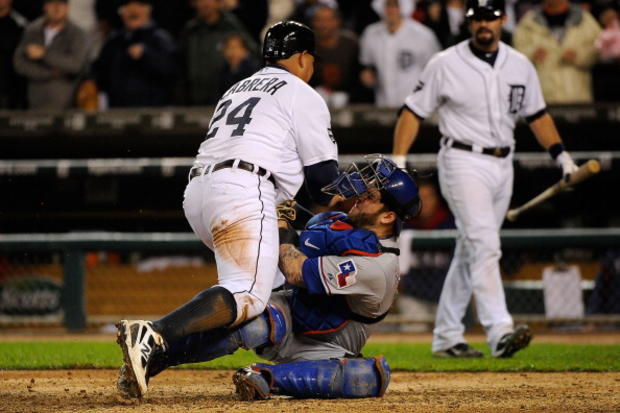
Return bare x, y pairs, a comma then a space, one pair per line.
311, 272
317, 176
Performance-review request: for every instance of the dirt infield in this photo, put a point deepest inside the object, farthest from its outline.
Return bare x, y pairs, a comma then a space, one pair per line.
212, 391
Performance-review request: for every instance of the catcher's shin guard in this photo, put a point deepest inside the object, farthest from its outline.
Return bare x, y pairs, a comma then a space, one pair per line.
328, 379
267, 329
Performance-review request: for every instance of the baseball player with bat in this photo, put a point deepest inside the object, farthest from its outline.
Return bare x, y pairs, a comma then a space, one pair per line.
479, 87
268, 133
343, 270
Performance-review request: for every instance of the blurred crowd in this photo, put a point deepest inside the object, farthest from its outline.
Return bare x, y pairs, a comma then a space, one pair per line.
99, 54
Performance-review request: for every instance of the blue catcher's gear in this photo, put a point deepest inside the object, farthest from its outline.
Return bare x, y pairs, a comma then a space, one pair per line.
399, 190
269, 328
321, 379
331, 233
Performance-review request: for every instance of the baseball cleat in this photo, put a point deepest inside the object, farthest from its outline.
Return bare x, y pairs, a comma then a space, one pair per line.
138, 341
510, 343
250, 385
126, 385
460, 350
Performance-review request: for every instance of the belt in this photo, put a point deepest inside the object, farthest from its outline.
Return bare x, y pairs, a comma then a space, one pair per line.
246, 166
498, 151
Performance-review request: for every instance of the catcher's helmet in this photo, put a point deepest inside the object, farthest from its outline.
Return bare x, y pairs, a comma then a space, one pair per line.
285, 38
399, 190
485, 9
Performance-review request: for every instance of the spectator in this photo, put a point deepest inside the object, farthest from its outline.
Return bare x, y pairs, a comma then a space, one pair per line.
201, 47
434, 214
137, 64
606, 74
305, 8
336, 73
240, 63
253, 14
52, 55
559, 39
12, 86
394, 51
447, 20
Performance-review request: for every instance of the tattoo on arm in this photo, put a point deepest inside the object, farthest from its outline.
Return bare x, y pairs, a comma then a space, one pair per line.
291, 263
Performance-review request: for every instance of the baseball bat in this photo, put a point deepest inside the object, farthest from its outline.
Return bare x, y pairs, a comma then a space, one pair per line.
592, 167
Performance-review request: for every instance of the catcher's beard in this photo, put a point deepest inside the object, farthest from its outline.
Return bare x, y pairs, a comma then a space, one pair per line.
212, 308
364, 220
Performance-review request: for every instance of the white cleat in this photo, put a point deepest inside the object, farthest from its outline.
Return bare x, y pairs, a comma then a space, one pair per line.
139, 341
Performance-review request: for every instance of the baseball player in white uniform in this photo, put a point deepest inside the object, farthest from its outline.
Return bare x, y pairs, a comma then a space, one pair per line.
479, 88
394, 52
268, 133
344, 273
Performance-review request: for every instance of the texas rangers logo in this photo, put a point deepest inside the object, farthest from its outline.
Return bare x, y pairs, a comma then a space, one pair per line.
515, 98
346, 277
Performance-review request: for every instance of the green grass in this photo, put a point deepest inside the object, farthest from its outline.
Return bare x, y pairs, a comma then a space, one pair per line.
401, 356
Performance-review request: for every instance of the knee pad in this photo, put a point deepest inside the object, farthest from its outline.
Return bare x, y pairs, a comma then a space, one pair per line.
328, 379
267, 328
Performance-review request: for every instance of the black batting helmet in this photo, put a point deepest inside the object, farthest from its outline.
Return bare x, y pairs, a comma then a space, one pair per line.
285, 38
487, 9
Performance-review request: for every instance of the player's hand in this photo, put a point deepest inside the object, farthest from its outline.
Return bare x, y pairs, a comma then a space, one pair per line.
368, 78
569, 56
35, 51
540, 55
565, 161
136, 51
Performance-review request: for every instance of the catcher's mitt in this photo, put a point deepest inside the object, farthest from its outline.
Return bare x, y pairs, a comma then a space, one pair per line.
286, 211
293, 213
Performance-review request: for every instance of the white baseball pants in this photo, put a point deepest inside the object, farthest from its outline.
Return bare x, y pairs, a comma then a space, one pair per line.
233, 213
477, 188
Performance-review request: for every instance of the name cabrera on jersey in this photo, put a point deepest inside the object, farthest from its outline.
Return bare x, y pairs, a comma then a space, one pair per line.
368, 283
272, 119
398, 58
478, 103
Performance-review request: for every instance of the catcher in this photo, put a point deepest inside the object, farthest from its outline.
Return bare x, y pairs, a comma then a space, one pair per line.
343, 276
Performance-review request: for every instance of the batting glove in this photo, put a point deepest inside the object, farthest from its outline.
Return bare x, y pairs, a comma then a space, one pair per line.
565, 161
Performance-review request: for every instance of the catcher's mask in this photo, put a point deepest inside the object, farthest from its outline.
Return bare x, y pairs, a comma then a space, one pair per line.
399, 190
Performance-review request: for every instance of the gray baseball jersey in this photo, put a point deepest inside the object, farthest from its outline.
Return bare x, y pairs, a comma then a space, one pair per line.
398, 58
370, 287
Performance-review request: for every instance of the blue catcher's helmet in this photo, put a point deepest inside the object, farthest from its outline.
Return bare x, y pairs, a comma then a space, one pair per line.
399, 190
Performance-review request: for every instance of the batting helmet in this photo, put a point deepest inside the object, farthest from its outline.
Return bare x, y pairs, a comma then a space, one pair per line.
399, 190
485, 9
285, 38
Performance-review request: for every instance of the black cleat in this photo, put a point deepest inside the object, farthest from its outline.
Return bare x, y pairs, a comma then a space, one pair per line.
510, 343
250, 385
460, 350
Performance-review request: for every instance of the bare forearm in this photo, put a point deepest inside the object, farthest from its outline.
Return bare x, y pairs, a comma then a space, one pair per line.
545, 131
291, 263
405, 132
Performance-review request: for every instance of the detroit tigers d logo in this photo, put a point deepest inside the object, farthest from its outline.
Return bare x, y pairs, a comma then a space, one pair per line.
515, 98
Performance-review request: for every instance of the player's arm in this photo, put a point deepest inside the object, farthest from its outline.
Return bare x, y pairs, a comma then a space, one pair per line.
317, 176
405, 133
291, 264
549, 138
291, 260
